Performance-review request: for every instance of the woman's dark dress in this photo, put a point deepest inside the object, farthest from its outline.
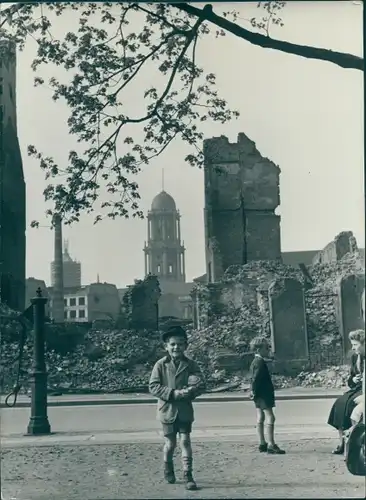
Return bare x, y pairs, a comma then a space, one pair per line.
339, 416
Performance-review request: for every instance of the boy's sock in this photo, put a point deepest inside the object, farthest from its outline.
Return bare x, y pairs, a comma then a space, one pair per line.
187, 463
272, 447
187, 473
169, 472
270, 434
260, 432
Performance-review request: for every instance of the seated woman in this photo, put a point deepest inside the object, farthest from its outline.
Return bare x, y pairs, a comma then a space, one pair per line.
357, 414
340, 414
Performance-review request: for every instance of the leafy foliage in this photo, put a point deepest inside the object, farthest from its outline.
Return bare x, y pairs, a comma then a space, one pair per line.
103, 61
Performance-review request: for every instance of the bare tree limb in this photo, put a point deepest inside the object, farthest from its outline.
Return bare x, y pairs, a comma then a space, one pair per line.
341, 59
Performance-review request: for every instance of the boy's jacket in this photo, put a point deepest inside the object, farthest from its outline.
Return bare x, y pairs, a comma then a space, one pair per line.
165, 378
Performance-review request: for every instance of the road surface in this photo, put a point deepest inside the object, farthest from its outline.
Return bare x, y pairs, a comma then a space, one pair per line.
123, 456
133, 423
127, 418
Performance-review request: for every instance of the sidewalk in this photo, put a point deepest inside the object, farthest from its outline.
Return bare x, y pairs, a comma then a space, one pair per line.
199, 434
128, 399
222, 470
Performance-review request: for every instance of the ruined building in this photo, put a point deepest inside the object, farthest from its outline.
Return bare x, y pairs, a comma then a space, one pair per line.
12, 188
241, 196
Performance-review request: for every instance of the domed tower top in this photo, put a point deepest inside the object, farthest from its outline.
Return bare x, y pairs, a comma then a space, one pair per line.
163, 201
164, 252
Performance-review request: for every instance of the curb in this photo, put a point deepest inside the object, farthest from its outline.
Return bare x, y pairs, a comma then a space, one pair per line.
151, 400
155, 436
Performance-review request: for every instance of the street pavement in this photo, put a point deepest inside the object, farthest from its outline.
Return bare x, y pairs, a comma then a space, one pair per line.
136, 398
115, 452
130, 422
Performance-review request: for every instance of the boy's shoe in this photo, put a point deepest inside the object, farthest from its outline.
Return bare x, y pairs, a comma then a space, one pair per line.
263, 447
169, 475
190, 482
275, 450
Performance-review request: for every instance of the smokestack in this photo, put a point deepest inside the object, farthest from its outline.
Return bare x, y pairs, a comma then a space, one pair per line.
58, 290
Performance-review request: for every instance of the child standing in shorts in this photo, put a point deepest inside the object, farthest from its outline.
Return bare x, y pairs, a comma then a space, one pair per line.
262, 393
170, 383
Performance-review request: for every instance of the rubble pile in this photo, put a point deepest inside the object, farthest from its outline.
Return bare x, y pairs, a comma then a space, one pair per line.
121, 360
325, 276
334, 377
320, 299
107, 361
232, 331
262, 271
228, 334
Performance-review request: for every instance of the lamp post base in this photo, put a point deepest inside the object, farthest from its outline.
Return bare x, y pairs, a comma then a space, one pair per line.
38, 425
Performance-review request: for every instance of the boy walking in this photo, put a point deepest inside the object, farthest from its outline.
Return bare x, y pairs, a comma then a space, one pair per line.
176, 381
262, 393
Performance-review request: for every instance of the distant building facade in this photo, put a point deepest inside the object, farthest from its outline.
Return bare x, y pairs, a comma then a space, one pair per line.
71, 270
12, 188
31, 287
97, 301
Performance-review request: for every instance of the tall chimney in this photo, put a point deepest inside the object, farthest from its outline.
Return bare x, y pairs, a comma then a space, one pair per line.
58, 290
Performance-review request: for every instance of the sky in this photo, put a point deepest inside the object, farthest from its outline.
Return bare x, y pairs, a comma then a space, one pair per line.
306, 116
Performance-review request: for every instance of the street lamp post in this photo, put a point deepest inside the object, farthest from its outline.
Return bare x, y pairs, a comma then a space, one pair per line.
38, 423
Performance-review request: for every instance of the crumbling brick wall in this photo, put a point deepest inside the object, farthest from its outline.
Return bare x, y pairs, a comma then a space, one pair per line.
343, 243
241, 196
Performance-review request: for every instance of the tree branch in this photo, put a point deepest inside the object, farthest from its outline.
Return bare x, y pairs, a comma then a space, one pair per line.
341, 59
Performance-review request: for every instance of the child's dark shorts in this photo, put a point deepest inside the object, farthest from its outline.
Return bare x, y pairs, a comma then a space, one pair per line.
264, 403
177, 427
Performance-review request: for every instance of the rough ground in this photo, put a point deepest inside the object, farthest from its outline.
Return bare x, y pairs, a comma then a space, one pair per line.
223, 470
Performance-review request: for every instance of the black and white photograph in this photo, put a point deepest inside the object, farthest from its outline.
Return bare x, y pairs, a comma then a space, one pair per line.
182, 250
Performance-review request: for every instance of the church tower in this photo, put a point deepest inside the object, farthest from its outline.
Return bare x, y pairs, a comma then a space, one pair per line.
164, 252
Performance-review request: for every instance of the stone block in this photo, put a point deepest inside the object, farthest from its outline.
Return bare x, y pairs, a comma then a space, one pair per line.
260, 185
225, 186
229, 230
235, 295
220, 150
263, 236
230, 362
349, 306
289, 368
288, 320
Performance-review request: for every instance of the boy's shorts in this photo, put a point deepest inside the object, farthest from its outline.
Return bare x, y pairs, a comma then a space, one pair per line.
177, 427
264, 403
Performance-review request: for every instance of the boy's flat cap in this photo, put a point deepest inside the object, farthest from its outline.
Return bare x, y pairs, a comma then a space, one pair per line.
174, 331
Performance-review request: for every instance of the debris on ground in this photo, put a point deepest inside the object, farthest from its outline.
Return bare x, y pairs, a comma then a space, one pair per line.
121, 360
